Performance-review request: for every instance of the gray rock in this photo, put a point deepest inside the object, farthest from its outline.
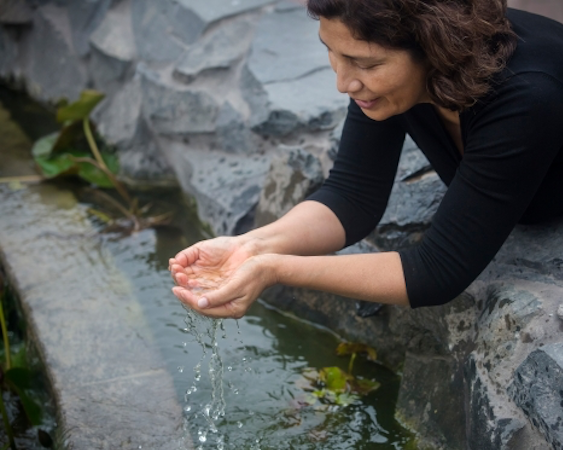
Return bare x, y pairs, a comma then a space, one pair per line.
216, 51
232, 132
163, 29
118, 116
308, 103
560, 312
142, 162
289, 83
209, 11
15, 12
114, 35
8, 52
414, 199
52, 68
292, 176
84, 17
226, 187
538, 389
286, 47
174, 109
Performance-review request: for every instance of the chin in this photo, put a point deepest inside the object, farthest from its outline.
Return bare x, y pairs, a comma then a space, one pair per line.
377, 115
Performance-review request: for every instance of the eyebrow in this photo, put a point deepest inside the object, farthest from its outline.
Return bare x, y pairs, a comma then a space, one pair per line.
351, 57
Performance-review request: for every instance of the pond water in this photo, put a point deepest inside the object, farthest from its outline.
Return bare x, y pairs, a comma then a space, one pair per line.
240, 382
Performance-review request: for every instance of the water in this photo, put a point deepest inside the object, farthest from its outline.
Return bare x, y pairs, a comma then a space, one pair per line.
239, 381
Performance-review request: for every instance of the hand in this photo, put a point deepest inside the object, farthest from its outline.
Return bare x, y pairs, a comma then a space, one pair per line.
233, 295
208, 276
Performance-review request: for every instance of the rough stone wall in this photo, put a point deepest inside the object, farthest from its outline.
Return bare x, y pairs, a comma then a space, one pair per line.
235, 100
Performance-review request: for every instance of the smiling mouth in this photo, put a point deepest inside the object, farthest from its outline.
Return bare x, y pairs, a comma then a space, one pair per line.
366, 104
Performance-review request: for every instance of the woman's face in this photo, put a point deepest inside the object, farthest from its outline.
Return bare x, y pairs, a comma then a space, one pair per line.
383, 82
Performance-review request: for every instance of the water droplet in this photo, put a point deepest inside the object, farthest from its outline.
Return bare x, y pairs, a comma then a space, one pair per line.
239, 424
230, 368
181, 369
187, 408
202, 438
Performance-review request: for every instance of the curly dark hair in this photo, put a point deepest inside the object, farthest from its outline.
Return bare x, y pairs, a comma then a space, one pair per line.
465, 42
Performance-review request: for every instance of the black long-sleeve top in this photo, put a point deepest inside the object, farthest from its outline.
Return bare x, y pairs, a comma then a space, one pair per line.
511, 169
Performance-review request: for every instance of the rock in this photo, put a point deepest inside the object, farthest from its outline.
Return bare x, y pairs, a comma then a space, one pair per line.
291, 178
113, 49
286, 47
8, 52
226, 187
142, 162
560, 312
52, 68
232, 132
415, 197
538, 389
310, 103
15, 12
217, 51
288, 89
174, 109
84, 17
210, 11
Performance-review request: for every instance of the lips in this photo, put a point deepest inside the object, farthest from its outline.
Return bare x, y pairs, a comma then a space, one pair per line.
366, 104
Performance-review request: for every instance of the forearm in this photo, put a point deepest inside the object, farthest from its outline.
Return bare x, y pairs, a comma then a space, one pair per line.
310, 228
376, 277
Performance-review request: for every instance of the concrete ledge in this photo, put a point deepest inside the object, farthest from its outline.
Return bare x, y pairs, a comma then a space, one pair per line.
109, 381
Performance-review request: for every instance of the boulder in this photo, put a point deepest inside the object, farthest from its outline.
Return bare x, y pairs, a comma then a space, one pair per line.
226, 186
288, 82
8, 52
232, 132
538, 389
293, 176
414, 199
84, 17
218, 50
113, 49
174, 109
52, 69
15, 12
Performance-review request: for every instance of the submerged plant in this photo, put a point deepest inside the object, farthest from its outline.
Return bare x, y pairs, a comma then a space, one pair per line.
74, 150
334, 386
16, 378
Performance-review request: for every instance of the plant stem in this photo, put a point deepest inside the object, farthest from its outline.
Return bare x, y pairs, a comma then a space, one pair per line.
351, 363
101, 163
7, 425
5, 333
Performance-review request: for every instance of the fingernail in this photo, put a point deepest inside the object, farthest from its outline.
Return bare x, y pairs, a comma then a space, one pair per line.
203, 302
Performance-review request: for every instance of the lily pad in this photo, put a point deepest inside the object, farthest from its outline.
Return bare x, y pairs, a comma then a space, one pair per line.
350, 348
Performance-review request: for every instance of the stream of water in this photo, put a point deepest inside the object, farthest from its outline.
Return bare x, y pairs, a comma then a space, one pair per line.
241, 382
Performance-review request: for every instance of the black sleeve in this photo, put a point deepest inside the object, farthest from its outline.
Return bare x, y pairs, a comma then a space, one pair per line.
359, 184
510, 144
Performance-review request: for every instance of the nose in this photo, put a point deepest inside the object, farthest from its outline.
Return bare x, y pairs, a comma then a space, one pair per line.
346, 81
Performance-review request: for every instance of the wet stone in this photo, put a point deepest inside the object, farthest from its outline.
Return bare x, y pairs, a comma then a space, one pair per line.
537, 388
292, 177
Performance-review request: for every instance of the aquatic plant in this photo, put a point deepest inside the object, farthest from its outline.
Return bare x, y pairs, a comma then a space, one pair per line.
74, 150
17, 378
334, 386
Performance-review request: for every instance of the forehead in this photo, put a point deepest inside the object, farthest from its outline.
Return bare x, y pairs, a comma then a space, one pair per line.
338, 38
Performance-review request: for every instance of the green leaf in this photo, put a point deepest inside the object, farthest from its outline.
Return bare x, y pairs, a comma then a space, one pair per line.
19, 380
364, 386
19, 359
349, 348
346, 399
80, 109
32, 409
43, 147
19, 377
94, 175
334, 378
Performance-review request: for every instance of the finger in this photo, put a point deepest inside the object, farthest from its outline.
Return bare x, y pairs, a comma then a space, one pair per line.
187, 256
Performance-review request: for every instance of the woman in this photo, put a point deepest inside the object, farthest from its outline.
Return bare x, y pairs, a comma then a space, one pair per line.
479, 89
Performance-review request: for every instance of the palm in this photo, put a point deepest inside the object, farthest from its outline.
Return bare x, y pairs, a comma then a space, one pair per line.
208, 264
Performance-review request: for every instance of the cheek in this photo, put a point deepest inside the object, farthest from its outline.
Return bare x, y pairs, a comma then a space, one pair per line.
332, 61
